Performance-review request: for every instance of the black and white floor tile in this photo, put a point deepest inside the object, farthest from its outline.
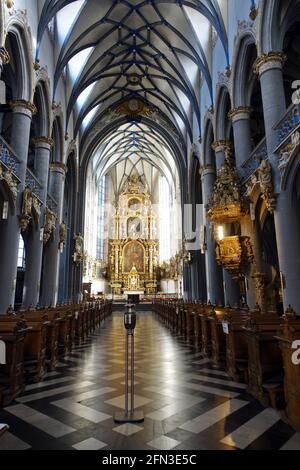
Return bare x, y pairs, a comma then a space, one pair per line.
188, 404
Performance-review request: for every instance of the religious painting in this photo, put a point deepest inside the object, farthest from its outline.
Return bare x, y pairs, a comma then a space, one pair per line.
134, 204
133, 257
134, 227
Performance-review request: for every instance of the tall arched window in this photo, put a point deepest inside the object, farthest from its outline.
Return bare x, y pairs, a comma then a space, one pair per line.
165, 220
21, 254
101, 219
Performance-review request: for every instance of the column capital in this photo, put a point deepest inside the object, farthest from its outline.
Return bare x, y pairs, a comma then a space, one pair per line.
23, 106
43, 141
58, 166
269, 61
207, 170
221, 145
239, 113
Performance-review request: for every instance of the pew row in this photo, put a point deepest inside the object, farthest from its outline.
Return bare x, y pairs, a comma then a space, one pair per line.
289, 342
36, 339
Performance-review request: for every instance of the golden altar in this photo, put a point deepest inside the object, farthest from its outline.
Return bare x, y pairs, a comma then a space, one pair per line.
133, 250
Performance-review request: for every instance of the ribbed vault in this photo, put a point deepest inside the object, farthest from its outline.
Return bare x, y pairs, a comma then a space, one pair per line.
154, 52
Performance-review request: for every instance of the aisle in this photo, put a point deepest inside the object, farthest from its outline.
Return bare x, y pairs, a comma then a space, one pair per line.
188, 405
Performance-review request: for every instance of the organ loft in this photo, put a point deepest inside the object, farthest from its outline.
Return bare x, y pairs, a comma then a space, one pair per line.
134, 247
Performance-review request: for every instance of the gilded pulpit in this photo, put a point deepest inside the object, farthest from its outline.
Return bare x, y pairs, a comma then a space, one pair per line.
133, 250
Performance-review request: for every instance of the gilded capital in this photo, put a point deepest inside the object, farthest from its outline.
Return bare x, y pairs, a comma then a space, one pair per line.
268, 61
241, 112
221, 145
23, 104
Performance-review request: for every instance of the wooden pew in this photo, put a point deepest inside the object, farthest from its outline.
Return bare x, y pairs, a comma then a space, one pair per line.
64, 331
236, 343
12, 330
206, 340
52, 338
35, 344
190, 322
218, 338
197, 326
288, 333
78, 317
265, 365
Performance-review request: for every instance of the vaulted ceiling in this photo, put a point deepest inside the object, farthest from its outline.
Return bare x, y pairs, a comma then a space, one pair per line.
153, 52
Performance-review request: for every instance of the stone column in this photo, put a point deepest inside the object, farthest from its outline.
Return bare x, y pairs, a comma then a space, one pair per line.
195, 267
221, 148
242, 144
242, 134
51, 251
286, 215
231, 287
187, 281
10, 230
35, 243
214, 277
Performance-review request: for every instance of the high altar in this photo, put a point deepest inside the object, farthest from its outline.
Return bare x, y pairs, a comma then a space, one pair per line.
133, 250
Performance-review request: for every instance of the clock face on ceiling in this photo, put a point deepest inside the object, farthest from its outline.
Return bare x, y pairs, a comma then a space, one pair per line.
133, 105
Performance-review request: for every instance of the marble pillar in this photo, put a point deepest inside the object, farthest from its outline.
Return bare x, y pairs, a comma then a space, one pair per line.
242, 144
214, 277
35, 241
22, 112
50, 272
286, 215
242, 134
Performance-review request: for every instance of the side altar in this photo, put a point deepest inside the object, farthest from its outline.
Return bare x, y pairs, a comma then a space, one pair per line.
134, 248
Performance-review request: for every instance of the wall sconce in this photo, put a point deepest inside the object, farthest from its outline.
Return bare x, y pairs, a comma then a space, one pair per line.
220, 233
5, 211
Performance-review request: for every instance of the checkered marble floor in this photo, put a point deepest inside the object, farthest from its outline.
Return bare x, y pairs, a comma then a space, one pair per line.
187, 403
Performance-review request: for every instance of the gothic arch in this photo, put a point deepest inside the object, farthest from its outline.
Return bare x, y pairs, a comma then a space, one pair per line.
268, 37
223, 106
241, 87
42, 97
18, 33
57, 153
208, 139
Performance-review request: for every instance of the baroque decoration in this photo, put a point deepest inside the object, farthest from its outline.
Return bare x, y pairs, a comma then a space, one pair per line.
78, 256
234, 254
31, 207
227, 206
10, 180
227, 203
49, 225
133, 250
172, 269
266, 184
